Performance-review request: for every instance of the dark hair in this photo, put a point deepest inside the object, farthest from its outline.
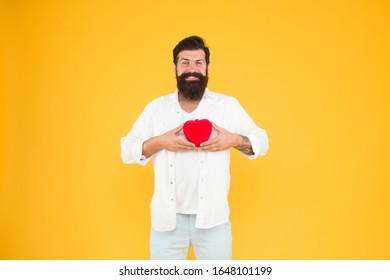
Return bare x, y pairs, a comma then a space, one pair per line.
191, 43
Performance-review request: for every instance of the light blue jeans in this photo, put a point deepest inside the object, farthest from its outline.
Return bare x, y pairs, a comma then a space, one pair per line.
208, 244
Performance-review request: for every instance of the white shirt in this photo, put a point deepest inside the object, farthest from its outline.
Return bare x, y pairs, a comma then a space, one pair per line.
186, 175
164, 114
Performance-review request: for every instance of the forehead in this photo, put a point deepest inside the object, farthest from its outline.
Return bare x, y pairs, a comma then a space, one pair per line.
192, 54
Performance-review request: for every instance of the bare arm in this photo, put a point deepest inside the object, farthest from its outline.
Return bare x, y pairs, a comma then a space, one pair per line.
246, 146
225, 140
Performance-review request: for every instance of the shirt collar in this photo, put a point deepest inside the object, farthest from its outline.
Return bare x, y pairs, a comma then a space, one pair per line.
207, 94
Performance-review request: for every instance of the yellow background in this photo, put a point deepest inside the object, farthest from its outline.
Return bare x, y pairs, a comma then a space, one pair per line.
75, 75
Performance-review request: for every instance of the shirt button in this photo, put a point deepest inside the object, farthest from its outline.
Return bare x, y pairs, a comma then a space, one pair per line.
171, 183
201, 197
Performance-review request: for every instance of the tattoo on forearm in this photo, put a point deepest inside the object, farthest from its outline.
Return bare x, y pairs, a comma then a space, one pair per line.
245, 146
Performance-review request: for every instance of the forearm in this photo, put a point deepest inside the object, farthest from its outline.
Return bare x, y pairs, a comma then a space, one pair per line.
245, 146
152, 146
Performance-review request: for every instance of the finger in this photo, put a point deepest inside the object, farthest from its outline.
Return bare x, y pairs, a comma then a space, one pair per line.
177, 129
186, 143
185, 148
208, 143
209, 148
216, 127
215, 149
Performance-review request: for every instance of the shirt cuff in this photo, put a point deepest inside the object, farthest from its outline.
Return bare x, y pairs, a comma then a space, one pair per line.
259, 147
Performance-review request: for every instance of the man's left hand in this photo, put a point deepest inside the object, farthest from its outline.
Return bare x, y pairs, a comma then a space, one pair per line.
223, 141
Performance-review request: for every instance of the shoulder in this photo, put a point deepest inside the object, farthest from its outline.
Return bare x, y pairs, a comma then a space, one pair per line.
221, 98
161, 102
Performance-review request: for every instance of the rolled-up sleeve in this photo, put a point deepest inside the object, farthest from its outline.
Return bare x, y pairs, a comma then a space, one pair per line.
131, 145
259, 142
247, 127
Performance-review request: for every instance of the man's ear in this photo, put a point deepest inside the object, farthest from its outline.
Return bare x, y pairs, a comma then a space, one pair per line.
174, 68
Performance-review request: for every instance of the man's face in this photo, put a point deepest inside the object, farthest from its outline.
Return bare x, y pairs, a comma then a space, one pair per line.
191, 72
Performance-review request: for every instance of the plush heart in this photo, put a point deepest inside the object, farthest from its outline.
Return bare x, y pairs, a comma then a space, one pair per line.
197, 131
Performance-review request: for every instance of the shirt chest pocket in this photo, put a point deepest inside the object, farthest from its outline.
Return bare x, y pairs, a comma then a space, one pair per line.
226, 124
163, 126
159, 129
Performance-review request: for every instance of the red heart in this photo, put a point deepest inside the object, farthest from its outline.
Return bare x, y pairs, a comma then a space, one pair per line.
197, 131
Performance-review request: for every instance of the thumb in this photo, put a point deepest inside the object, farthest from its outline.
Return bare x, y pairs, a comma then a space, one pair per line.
216, 127
177, 129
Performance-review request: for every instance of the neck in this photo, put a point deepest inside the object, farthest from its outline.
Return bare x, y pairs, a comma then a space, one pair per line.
188, 105
181, 96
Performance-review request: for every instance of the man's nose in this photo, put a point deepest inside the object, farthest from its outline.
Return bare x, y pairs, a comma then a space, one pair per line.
192, 66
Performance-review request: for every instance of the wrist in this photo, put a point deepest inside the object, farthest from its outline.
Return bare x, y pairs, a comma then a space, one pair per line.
151, 146
238, 141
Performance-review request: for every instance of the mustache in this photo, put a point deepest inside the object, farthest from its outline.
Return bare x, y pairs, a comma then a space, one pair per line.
197, 75
192, 90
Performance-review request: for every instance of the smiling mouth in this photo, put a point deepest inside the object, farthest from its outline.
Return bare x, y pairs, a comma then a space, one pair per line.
192, 78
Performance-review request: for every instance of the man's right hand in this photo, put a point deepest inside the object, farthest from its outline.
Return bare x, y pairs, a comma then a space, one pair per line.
168, 141
172, 143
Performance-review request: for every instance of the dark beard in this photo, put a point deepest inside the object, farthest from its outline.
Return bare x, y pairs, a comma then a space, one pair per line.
192, 90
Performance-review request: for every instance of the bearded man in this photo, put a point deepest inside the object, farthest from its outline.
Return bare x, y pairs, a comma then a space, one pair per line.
189, 204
